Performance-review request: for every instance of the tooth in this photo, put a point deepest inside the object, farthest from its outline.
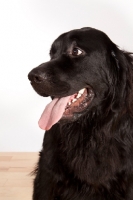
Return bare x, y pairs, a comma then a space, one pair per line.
74, 100
82, 91
79, 95
69, 103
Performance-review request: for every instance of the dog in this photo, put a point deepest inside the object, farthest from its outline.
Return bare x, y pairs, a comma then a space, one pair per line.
87, 151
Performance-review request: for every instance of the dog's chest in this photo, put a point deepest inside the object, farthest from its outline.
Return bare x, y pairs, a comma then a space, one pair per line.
88, 159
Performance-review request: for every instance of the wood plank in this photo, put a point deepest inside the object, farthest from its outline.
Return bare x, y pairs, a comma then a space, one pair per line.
16, 181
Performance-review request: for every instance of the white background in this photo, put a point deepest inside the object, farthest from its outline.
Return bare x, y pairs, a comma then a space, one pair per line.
27, 30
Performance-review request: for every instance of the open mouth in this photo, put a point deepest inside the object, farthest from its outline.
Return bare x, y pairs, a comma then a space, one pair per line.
65, 107
79, 101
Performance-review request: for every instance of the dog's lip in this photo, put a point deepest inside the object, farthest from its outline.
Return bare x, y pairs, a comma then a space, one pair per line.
79, 102
65, 94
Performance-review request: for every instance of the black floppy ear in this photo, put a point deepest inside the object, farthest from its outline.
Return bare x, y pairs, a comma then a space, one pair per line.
120, 78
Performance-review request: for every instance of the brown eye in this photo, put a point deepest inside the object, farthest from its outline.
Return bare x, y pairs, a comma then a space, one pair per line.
76, 52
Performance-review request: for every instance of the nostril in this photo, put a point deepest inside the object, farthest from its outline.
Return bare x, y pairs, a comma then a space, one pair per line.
38, 78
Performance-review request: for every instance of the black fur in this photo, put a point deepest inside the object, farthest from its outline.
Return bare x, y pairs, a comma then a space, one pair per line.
90, 156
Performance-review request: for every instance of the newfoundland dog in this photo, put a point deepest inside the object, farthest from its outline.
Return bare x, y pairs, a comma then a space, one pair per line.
87, 152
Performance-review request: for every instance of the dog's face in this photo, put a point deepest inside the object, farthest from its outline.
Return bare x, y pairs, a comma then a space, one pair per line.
78, 69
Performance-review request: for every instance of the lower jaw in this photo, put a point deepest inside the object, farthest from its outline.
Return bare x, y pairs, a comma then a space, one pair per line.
72, 116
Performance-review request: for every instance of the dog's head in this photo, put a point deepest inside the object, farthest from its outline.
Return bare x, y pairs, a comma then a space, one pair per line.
84, 71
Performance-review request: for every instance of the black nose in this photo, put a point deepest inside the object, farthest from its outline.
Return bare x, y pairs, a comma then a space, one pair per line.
36, 77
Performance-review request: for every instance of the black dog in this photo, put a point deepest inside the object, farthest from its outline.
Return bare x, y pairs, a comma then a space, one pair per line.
87, 151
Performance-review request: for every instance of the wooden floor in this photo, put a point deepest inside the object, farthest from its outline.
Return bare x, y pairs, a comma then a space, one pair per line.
15, 179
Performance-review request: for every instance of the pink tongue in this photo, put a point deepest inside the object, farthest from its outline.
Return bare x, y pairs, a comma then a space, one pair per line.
53, 112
